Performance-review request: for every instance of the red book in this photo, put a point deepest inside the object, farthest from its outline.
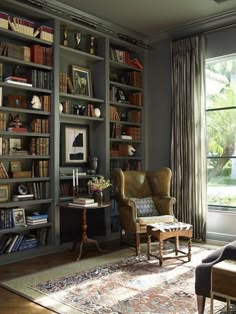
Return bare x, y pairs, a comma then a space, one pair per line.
18, 129
16, 78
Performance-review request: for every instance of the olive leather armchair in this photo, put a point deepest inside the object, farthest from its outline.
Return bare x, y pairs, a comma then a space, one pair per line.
203, 273
143, 198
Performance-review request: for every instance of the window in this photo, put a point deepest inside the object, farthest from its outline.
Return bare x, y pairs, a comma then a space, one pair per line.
221, 132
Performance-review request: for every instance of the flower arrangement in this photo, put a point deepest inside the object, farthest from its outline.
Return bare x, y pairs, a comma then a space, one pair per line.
99, 184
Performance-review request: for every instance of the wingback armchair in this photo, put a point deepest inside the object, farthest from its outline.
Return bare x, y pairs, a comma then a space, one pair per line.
203, 273
143, 198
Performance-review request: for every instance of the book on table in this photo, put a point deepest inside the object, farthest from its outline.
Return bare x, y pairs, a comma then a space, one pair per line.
83, 205
83, 200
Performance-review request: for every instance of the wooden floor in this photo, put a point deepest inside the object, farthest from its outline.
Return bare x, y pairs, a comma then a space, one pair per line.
11, 303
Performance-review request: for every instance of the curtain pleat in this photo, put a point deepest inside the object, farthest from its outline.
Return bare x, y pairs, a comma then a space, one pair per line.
188, 144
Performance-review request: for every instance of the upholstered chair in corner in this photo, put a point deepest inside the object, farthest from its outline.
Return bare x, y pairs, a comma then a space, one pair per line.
143, 198
203, 273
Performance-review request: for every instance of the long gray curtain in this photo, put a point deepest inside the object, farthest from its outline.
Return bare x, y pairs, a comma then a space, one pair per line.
188, 158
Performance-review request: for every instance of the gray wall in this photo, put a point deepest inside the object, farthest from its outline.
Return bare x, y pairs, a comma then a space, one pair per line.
220, 225
159, 106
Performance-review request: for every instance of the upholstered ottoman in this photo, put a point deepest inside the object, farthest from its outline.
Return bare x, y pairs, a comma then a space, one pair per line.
164, 231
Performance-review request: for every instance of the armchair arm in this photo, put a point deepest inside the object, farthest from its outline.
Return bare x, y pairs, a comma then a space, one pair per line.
128, 214
203, 271
164, 204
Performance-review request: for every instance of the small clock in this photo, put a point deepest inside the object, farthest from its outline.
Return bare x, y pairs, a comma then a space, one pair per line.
22, 189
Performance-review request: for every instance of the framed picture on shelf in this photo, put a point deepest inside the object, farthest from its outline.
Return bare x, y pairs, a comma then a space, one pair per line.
15, 166
4, 193
121, 96
17, 101
74, 140
18, 215
14, 145
82, 81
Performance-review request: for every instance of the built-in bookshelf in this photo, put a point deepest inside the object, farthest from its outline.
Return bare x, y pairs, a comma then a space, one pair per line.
26, 73
87, 82
126, 108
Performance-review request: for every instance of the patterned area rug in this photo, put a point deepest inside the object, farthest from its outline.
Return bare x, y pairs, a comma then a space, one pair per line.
131, 285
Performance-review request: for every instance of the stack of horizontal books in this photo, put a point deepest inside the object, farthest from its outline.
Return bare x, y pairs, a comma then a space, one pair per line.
83, 202
37, 219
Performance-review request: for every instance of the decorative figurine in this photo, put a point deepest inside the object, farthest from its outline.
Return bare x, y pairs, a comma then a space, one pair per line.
92, 48
36, 103
77, 39
14, 122
65, 40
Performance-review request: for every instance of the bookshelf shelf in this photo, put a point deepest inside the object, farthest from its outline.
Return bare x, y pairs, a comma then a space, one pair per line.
24, 63
24, 203
23, 229
23, 134
31, 111
81, 54
125, 105
126, 86
26, 88
23, 37
34, 179
118, 65
76, 117
16, 157
81, 97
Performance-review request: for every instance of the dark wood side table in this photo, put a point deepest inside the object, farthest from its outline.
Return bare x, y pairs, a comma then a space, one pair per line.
84, 237
223, 282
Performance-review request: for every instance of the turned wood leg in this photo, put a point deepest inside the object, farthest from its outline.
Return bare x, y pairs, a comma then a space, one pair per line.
137, 244
148, 245
176, 245
161, 252
189, 249
201, 300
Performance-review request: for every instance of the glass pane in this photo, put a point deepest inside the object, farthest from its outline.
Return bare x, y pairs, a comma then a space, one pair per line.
221, 133
221, 181
221, 84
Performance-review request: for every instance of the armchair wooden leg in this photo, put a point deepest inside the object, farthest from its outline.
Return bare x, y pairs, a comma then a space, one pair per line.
201, 304
137, 244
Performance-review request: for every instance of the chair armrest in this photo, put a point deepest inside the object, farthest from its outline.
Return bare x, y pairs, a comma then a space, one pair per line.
203, 271
203, 279
128, 214
164, 204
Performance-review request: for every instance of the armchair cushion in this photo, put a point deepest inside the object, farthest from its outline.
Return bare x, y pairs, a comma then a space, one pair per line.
155, 219
145, 207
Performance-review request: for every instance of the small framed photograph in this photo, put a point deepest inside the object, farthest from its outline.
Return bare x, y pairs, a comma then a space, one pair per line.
18, 215
16, 166
4, 193
82, 81
17, 101
14, 145
120, 95
74, 144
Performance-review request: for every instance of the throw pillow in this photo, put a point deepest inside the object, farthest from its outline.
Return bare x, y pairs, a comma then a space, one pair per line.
145, 207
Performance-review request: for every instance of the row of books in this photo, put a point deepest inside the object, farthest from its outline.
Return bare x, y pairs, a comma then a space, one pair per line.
3, 172
32, 78
17, 242
40, 168
39, 146
66, 189
3, 121
124, 56
65, 84
126, 165
121, 149
40, 125
134, 116
26, 27
35, 53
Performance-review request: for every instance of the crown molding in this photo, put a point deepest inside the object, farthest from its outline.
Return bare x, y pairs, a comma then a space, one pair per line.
210, 24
